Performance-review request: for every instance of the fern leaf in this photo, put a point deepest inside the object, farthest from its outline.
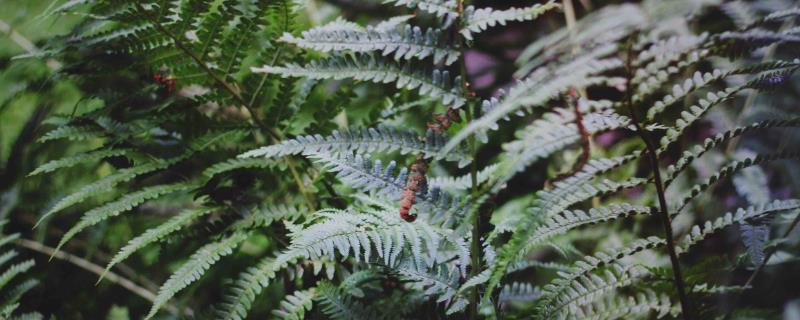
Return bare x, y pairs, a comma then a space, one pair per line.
540, 88
440, 8
409, 43
382, 139
107, 184
193, 269
441, 283
240, 297
518, 292
463, 182
589, 288
77, 159
368, 68
337, 305
591, 264
14, 271
643, 304
295, 305
263, 216
73, 133
361, 173
236, 164
698, 234
697, 151
150, 236
123, 204
727, 171
478, 20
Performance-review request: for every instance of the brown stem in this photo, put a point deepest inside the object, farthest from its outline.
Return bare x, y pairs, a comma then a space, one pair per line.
666, 221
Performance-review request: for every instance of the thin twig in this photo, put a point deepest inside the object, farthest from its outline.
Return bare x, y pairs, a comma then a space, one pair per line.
666, 221
98, 270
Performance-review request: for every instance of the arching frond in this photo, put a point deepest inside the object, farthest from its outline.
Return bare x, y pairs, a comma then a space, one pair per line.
150, 236
123, 204
409, 43
478, 20
77, 159
295, 305
698, 234
441, 8
382, 139
239, 298
194, 268
341, 306
368, 68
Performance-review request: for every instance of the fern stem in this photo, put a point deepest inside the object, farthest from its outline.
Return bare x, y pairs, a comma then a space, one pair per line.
763, 265
475, 244
666, 221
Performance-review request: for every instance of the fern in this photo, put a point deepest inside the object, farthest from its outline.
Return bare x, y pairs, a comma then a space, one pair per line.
194, 268
114, 208
409, 43
77, 160
242, 294
152, 235
441, 8
478, 20
295, 306
368, 68
382, 139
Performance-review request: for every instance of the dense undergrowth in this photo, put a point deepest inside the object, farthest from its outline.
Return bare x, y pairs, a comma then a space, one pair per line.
412, 159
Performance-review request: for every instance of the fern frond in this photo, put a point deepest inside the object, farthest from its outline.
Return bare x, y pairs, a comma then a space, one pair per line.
107, 184
295, 305
123, 204
440, 8
540, 88
194, 268
337, 305
73, 133
518, 292
545, 137
368, 68
265, 214
383, 139
77, 159
361, 173
409, 43
463, 182
441, 283
385, 232
478, 20
727, 171
593, 263
150, 236
698, 234
241, 295
236, 164
13, 271
589, 288
698, 150
647, 303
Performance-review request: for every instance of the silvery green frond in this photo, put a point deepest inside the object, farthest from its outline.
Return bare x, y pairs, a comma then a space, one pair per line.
440, 8
362, 173
383, 139
441, 282
478, 20
518, 292
645, 304
77, 159
338, 305
367, 67
295, 305
535, 91
194, 268
410, 42
698, 233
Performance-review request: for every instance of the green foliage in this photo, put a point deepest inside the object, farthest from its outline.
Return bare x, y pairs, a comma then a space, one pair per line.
573, 192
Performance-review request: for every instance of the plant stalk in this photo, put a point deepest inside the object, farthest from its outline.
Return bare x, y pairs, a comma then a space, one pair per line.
666, 221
